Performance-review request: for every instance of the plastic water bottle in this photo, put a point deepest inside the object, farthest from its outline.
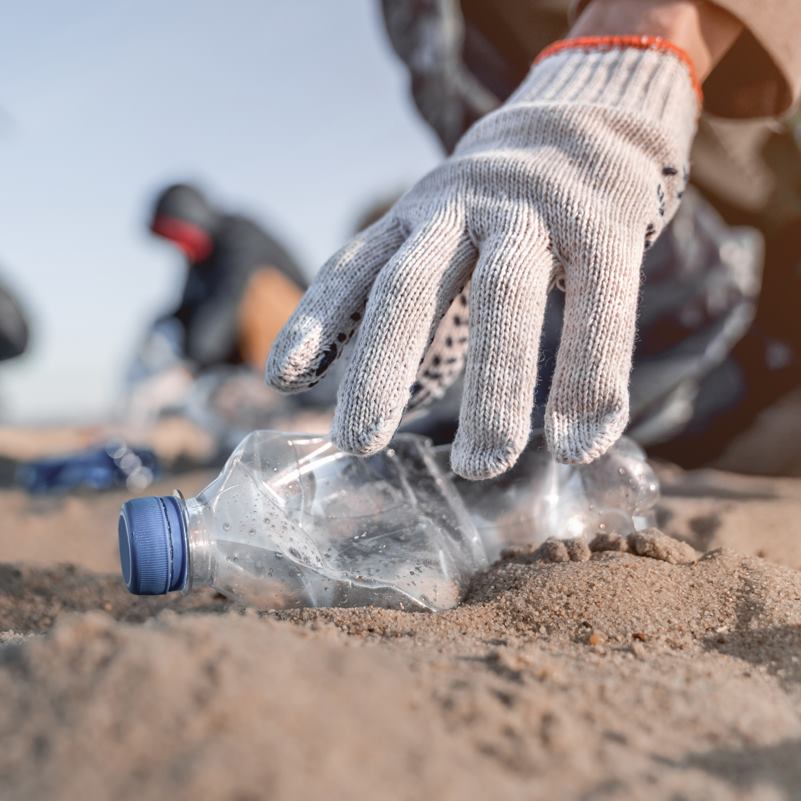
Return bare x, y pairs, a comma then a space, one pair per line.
293, 522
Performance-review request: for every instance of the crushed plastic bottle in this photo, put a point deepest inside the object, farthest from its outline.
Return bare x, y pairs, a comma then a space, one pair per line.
293, 522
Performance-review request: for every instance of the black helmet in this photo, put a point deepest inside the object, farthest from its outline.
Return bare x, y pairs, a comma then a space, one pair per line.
184, 216
187, 204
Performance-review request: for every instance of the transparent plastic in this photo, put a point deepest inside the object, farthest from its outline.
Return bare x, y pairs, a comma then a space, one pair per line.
540, 498
293, 522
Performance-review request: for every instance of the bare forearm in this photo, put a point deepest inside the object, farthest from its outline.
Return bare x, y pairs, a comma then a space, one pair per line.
700, 28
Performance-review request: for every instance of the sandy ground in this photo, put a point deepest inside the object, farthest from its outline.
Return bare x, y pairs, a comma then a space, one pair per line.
621, 677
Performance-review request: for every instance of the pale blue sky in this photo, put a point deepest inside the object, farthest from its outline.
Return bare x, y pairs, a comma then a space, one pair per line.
294, 110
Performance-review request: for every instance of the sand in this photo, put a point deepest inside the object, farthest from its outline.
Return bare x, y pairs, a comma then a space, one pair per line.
600, 676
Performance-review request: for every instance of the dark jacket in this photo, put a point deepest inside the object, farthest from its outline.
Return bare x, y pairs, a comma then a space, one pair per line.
14, 333
209, 307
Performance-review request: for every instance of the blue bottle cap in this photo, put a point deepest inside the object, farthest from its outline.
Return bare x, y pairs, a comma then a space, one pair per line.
153, 546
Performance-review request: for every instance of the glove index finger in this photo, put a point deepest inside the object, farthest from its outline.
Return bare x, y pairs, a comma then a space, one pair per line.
408, 300
331, 310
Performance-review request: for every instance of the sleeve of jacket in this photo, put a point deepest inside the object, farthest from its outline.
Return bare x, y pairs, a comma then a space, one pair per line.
761, 75
211, 331
14, 332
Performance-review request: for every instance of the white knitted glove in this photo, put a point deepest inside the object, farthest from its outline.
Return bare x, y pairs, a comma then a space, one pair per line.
570, 180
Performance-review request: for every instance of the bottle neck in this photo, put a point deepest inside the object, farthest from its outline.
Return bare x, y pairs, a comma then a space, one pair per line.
198, 544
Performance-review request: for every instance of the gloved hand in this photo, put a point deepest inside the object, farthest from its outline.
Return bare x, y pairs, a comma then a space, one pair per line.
569, 181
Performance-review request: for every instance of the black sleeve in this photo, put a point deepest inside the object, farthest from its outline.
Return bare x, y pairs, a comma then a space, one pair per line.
214, 291
210, 318
14, 331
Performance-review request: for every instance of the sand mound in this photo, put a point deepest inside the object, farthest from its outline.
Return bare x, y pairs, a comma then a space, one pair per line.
623, 597
616, 678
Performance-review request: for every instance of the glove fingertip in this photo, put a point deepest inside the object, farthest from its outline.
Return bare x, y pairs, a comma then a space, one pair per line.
477, 463
582, 441
351, 437
293, 369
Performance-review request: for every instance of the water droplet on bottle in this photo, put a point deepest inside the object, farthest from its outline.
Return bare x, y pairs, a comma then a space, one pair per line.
252, 532
226, 526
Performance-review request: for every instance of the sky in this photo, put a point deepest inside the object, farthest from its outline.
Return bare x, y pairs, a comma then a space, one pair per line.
294, 111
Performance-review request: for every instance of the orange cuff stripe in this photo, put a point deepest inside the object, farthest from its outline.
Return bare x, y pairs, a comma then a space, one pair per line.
616, 42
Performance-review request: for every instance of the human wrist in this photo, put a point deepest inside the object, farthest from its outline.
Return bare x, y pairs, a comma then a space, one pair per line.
702, 30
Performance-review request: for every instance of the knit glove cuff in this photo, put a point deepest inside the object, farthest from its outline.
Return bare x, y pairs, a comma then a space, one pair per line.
627, 73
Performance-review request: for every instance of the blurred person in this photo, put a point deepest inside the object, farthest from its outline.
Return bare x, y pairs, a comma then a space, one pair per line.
241, 286
565, 174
